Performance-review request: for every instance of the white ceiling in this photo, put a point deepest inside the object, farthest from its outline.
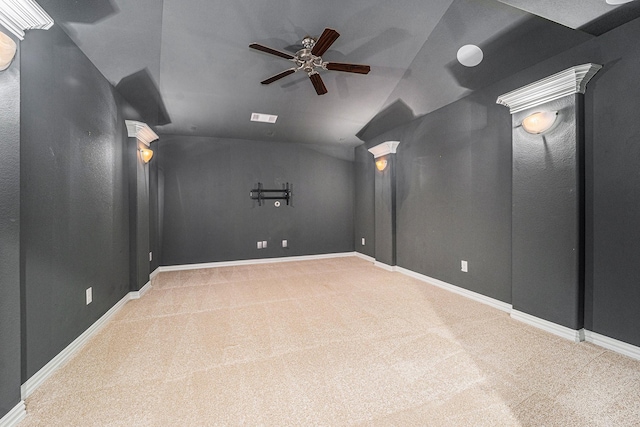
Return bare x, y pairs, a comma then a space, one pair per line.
194, 54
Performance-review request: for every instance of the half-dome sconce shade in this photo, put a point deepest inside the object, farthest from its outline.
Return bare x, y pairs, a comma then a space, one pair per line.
146, 154
381, 164
539, 122
7, 51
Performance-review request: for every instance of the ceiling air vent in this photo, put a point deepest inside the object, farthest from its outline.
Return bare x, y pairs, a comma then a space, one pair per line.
264, 118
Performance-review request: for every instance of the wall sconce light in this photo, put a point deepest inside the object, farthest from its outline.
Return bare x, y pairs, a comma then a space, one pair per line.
146, 154
7, 51
540, 122
381, 164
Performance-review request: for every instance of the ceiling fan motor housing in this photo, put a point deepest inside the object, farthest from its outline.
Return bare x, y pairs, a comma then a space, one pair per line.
308, 42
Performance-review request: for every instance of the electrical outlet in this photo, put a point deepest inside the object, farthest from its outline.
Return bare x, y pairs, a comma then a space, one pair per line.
264, 244
89, 295
150, 256
284, 243
259, 245
363, 241
464, 266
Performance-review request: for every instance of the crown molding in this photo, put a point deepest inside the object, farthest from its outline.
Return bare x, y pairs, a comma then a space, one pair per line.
388, 147
19, 16
567, 82
141, 131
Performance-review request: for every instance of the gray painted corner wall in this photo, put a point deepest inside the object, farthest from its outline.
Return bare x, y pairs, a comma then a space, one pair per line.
454, 195
10, 311
613, 187
453, 171
364, 202
546, 217
74, 196
208, 215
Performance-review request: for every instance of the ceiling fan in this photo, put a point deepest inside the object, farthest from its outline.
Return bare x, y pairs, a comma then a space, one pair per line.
308, 59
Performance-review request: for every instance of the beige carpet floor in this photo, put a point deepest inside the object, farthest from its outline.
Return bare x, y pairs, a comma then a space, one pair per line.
330, 342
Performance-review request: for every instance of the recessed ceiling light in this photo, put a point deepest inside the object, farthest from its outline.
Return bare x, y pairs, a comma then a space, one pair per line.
470, 55
264, 118
618, 1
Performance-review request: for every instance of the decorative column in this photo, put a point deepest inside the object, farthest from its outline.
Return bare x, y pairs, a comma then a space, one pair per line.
548, 201
139, 259
16, 17
385, 203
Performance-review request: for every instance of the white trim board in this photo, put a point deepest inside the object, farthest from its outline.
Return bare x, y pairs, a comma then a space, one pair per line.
14, 416
500, 305
613, 344
141, 292
253, 261
365, 257
545, 325
384, 266
553, 328
154, 273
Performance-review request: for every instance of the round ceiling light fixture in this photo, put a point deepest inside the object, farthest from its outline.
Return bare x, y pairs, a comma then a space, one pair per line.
470, 55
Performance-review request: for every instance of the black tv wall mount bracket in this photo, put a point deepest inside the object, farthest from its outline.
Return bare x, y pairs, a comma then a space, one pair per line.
285, 193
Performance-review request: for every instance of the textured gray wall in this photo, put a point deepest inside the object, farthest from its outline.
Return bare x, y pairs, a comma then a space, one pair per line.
74, 196
453, 171
612, 200
546, 216
454, 195
364, 202
208, 215
10, 237
613, 211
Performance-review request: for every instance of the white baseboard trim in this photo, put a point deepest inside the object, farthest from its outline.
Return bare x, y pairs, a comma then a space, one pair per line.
63, 357
365, 257
141, 292
253, 261
384, 266
500, 305
14, 416
154, 273
613, 344
545, 325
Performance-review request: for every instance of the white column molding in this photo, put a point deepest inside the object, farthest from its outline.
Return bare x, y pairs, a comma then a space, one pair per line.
388, 147
141, 131
18, 16
570, 81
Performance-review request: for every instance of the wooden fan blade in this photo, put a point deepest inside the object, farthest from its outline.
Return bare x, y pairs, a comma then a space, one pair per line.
325, 41
278, 76
318, 84
348, 68
266, 49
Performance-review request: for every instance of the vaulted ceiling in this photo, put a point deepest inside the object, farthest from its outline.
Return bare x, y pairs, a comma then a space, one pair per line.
187, 66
